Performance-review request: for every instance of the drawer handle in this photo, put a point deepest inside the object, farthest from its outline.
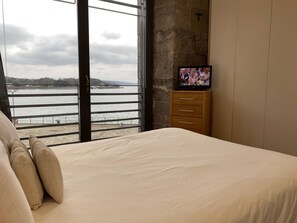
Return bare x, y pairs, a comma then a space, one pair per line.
189, 99
185, 110
182, 122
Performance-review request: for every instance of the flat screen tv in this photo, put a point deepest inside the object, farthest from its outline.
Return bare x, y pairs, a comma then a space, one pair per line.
194, 77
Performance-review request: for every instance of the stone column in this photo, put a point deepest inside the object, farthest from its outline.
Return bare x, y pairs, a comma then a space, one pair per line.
180, 39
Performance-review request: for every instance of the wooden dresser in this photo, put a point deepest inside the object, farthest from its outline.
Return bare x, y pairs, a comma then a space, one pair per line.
191, 110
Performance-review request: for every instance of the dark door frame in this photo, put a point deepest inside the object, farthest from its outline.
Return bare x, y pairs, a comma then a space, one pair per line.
84, 69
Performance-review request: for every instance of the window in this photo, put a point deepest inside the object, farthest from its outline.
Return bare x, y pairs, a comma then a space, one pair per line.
40, 60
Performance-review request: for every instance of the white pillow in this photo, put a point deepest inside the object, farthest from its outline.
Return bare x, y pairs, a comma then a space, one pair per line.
25, 170
13, 203
48, 167
7, 130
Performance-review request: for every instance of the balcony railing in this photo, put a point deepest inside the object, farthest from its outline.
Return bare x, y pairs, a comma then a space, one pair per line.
52, 113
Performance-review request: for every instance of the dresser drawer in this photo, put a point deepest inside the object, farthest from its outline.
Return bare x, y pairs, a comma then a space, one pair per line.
191, 123
191, 110
187, 110
187, 98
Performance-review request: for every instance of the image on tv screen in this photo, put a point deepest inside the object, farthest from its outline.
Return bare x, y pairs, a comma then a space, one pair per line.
195, 76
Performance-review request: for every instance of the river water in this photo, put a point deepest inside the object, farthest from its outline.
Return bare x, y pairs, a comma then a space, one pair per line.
73, 109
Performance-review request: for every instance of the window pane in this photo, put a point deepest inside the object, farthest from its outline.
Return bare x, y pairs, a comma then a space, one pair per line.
41, 50
113, 46
43, 44
114, 60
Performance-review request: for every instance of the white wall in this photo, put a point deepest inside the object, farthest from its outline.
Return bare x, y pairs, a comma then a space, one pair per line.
253, 50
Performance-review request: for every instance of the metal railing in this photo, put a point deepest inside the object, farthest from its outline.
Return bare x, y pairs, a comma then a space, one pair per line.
54, 117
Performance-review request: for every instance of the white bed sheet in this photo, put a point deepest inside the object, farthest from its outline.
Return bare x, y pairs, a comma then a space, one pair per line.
172, 176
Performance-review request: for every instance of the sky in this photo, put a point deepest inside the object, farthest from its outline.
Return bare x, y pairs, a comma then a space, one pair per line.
41, 40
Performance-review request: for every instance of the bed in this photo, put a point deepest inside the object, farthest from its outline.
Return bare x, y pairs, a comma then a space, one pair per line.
172, 175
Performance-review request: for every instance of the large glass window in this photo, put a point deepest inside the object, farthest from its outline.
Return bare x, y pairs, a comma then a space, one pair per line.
40, 57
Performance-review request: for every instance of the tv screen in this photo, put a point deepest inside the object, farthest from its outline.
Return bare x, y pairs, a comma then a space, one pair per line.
194, 77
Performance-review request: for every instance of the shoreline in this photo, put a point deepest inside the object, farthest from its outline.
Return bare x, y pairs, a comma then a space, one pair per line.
43, 87
74, 129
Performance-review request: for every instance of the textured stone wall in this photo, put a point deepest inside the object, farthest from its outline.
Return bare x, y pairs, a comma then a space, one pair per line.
180, 38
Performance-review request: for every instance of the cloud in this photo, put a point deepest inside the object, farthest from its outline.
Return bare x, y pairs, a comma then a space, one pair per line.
16, 35
113, 54
52, 51
111, 35
26, 49
29, 54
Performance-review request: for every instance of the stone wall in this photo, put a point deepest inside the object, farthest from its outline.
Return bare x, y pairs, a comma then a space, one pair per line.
180, 38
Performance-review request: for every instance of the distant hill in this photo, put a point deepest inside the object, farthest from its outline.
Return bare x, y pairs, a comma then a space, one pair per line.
13, 82
120, 83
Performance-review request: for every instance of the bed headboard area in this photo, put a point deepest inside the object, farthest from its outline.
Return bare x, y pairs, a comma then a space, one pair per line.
14, 205
24, 177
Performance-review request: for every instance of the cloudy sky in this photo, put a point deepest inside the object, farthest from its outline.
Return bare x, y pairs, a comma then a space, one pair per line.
41, 40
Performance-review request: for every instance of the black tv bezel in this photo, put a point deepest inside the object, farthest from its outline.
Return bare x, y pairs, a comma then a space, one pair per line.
194, 87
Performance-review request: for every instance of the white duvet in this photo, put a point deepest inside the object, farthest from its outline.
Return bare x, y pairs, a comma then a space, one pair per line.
172, 176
